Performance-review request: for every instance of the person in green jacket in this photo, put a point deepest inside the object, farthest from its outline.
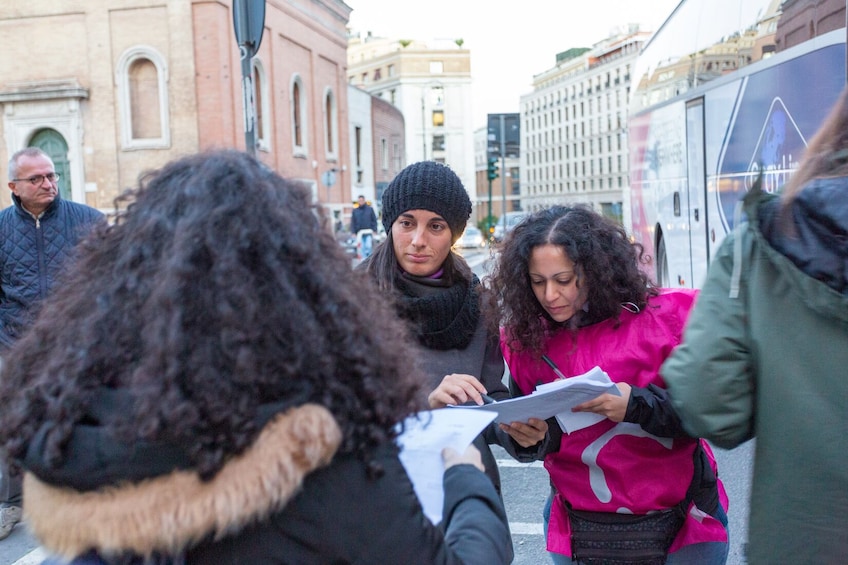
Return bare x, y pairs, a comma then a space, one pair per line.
765, 355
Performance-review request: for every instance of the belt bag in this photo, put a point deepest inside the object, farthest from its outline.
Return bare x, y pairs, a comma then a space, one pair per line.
605, 538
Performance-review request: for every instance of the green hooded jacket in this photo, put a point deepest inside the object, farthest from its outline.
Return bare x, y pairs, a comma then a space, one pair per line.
765, 355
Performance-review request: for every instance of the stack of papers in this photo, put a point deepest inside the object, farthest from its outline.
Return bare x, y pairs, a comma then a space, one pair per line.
427, 433
556, 398
425, 436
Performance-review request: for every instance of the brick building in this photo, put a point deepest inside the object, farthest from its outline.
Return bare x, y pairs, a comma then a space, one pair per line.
112, 89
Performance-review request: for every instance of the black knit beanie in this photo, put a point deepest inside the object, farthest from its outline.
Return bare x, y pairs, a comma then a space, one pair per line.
428, 185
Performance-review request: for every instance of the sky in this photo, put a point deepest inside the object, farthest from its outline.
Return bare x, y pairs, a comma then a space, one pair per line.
510, 40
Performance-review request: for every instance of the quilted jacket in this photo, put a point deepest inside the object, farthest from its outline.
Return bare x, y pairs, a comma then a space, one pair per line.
32, 251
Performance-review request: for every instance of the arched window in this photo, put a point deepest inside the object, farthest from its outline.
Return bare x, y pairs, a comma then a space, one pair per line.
330, 121
261, 106
298, 117
142, 81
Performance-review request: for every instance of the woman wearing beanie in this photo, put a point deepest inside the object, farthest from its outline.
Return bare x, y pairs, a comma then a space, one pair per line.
424, 211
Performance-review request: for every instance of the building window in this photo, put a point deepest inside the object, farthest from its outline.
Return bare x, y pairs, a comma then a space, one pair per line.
396, 157
260, 104
437, 96
142, 79
391, 70
438, 143
438, 118
437, 67
377, 74
330, 124
298, 117
357, 140
384, 154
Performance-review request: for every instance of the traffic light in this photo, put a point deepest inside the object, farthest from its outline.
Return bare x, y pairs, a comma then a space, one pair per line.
492, 168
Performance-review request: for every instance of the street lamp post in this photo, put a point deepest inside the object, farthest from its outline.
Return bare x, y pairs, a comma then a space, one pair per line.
503, 168
423, 127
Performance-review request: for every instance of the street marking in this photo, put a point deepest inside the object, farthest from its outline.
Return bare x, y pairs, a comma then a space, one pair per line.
514, 463
34, 557
527, 528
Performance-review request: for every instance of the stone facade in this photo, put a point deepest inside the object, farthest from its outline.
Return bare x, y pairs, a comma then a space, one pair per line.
573, 128
130, 85
430, 83
389, 147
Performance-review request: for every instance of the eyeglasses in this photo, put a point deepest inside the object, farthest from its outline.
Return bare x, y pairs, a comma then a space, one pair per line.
37, 180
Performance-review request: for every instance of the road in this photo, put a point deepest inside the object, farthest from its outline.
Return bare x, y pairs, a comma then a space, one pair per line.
525, 487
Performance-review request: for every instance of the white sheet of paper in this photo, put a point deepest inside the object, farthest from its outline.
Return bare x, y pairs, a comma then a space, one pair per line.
556, 398
425, 435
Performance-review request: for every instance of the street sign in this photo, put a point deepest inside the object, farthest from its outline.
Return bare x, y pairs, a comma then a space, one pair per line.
328, 178
248, 23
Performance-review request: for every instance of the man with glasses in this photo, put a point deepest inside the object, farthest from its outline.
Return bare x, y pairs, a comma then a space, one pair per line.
37, 233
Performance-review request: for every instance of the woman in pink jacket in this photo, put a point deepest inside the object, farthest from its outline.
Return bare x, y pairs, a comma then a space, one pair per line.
632, 487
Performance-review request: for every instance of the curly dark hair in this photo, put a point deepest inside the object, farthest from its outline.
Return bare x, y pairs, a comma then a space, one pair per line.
215, 291
607, 266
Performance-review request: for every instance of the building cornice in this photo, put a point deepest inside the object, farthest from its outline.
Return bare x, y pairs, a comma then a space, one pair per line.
56, 89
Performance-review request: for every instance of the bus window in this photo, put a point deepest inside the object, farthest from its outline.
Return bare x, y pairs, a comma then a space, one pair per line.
702, 41
726, 92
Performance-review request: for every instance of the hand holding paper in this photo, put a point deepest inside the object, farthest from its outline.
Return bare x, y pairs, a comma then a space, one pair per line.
422, 442
556, 398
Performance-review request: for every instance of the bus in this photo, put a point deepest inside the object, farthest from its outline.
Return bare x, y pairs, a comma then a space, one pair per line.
724, 92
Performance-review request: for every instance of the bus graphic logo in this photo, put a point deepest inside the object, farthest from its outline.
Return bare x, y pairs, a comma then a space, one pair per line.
774, 156
778, 148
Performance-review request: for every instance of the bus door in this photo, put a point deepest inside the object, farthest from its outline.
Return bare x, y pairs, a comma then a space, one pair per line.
694, 201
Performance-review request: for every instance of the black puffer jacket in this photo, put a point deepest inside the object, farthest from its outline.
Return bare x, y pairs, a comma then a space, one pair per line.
289, 498
32, 251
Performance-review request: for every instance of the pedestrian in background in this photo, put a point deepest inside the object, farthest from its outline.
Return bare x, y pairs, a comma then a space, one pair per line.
765, 355
363, 219
425, 209
568, 292
37, 235
214, 395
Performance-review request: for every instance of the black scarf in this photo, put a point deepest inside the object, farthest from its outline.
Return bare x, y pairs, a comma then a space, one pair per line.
443, 313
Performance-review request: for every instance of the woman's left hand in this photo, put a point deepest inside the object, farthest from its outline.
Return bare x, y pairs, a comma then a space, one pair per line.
609, 405
527, 433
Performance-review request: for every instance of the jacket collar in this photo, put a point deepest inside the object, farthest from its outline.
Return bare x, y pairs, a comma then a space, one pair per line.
170, 513
47, 211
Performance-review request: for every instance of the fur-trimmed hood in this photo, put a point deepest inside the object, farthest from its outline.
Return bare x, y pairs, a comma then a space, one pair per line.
172, 512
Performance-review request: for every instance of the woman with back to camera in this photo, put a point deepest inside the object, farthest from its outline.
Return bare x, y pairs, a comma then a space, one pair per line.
766, 351
568, 291
213, 396
425, 210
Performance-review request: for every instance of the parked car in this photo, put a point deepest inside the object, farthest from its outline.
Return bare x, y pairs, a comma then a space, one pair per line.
506, 223
472, 237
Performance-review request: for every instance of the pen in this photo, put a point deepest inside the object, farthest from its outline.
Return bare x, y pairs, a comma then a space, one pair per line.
487, 399
553, 366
